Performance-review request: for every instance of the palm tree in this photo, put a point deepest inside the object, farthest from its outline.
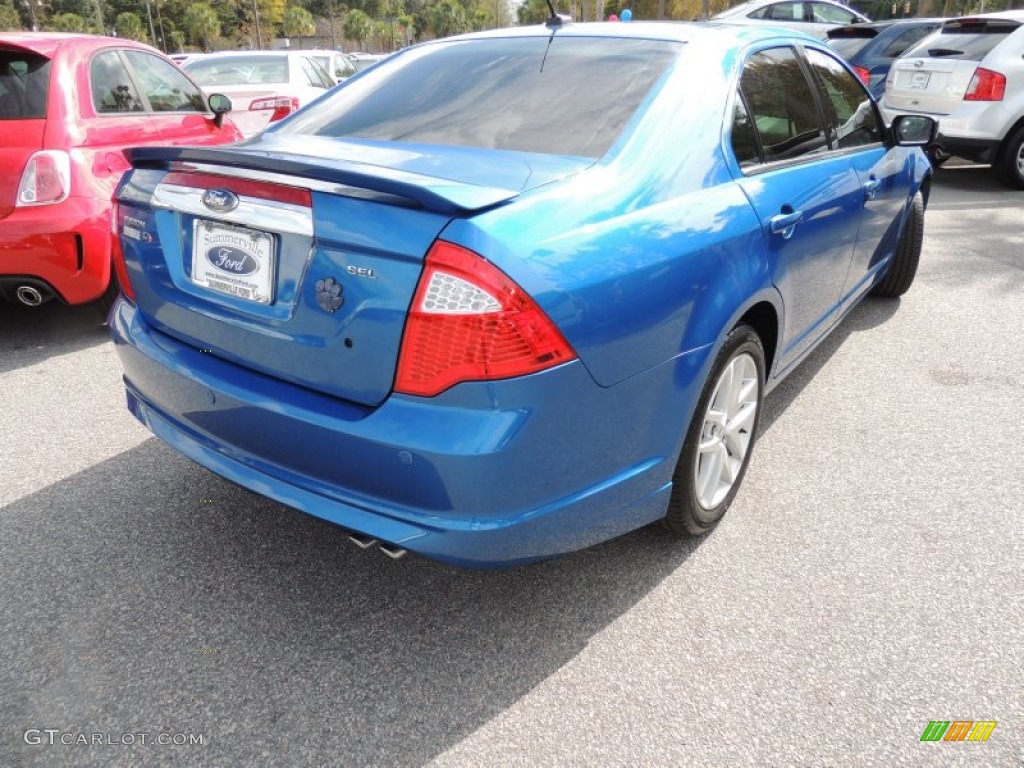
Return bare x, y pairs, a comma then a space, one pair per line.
298, 22
202, 24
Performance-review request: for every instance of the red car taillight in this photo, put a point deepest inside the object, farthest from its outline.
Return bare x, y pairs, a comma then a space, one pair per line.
46, 179
863, 74
282, 106
986, 85
117, 254
470, 322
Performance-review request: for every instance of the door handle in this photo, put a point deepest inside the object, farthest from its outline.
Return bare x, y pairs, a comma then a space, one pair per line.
785, 223
871, 188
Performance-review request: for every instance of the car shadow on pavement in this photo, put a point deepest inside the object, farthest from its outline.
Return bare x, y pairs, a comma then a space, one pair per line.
869, 314
30, 335
146, 594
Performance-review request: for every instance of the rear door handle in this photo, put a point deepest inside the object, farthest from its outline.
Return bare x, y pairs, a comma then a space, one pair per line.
785, 223
871, 188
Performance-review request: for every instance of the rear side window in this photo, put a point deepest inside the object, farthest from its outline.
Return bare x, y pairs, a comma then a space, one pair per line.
24, 85
112, 87
782, 106
166, 88
573, 96
823, 13
965, 39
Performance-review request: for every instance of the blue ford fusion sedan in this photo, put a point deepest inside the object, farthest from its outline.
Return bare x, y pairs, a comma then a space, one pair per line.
507, 295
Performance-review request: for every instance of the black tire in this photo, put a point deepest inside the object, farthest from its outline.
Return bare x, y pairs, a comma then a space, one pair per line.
1009, 165
686, 514
936, 156
900, 274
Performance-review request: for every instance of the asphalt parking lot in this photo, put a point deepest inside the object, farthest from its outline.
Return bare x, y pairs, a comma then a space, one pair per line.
867, 580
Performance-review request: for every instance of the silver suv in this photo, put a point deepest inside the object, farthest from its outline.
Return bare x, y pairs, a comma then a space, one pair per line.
969, 75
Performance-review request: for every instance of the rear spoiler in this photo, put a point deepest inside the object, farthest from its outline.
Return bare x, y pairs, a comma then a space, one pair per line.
431, 192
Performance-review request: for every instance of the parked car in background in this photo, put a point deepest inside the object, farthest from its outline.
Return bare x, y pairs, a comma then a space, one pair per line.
338, 65
69, 105
363, 60
969, 75
264, 86
814, 17
872, 48
492, 335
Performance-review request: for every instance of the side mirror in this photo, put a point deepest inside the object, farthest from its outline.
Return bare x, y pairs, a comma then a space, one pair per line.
220, 105
914, 130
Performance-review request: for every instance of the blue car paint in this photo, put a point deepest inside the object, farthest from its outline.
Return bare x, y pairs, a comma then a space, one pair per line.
643, 263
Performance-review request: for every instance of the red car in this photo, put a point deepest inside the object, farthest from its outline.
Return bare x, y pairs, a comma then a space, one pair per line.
69, 105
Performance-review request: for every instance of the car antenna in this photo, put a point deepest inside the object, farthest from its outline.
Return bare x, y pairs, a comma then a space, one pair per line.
555, 19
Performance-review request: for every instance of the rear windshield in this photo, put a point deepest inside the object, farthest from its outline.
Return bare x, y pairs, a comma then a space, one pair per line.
24, 85
238, 70
572, 97
966, 39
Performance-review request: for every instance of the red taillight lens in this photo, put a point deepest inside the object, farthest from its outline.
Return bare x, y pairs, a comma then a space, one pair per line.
986, 85
117, 254
470, 322
282, 106
863, 74
46, 178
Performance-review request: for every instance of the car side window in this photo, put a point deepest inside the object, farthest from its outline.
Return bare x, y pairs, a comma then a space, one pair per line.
166, 88
853, 120
112, 88
744, 136
824, 13
782, 105
786, 12
899, 46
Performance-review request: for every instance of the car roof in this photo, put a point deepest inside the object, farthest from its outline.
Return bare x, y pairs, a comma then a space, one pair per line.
47, 43
1017, 15
265, 54
669, 31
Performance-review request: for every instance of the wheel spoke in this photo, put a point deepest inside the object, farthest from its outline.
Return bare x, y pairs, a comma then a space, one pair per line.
744, 420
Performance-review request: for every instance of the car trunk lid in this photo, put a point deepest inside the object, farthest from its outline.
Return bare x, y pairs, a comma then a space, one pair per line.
296, 266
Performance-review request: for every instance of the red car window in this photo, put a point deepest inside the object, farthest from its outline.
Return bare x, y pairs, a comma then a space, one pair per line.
112, 87
24, 85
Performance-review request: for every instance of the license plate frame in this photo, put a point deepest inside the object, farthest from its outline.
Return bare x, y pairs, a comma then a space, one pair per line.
234, 260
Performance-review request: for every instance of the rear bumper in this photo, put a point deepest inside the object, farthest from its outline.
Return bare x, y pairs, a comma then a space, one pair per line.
978, 150
974, 130
485, 475
66, 246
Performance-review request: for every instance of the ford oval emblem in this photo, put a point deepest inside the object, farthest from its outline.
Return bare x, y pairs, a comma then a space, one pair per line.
232, 260
220, 200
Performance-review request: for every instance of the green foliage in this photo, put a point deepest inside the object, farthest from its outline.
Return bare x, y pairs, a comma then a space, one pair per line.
129, 25
298, 22
447, 17
66, 22
9, 19
358, 26
201, 25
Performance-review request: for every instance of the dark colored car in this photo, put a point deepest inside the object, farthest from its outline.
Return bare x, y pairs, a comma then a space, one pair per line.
69, 106
871, 48
507, 295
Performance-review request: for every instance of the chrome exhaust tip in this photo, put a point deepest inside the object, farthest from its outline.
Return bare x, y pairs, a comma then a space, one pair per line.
361, 541
395, 553
29, 295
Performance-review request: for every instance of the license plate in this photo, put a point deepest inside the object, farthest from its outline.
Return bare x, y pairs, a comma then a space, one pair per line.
919, 80
236, 261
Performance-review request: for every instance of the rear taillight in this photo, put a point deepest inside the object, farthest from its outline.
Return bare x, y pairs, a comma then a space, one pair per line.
470, 322
863, 74
282, 106
986, 85
46, 178
117, 253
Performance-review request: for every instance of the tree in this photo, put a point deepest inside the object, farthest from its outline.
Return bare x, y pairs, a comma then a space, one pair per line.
9, 19
358, 26
298, 22
201, 24
66, 22
446, 18
129, 25
532, 12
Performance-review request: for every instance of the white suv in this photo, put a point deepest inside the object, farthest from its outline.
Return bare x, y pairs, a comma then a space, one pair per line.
969, 75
